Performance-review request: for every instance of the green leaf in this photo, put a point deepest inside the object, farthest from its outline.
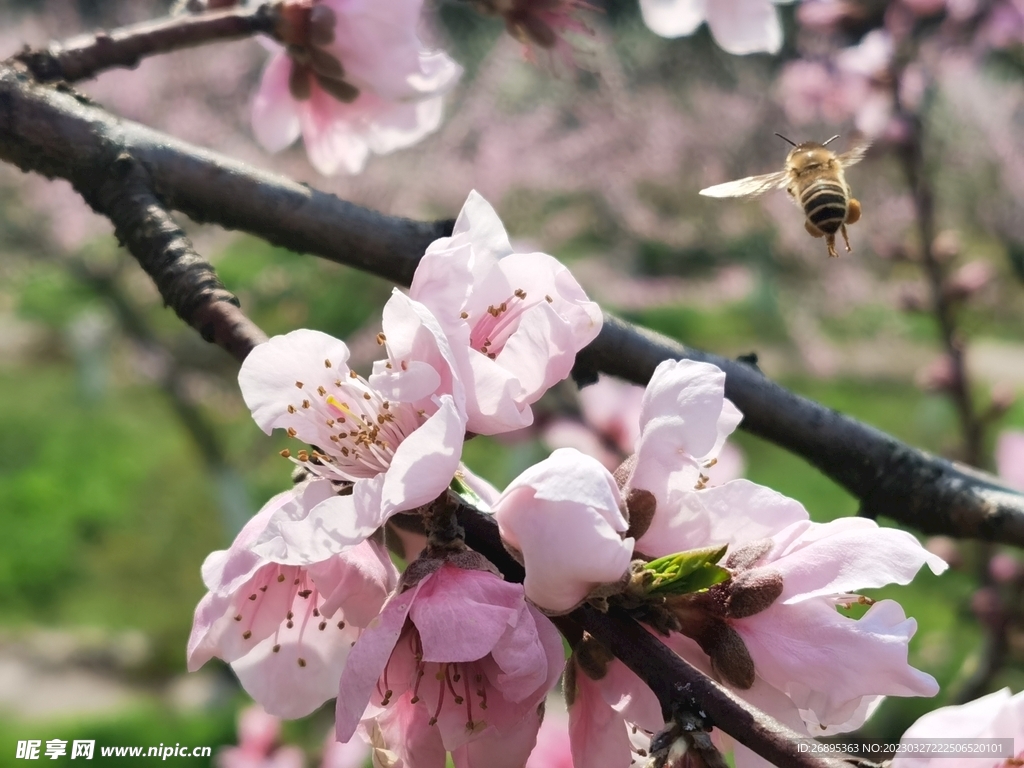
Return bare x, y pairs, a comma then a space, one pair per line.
686, 572
468, 495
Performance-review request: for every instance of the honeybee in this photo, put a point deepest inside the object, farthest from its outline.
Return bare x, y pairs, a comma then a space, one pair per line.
814, 178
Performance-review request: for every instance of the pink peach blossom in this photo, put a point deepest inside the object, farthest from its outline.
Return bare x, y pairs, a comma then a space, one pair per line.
397, 455
999, 715
514, 321
738, 26
797, 642
788, 574
562, 519
457, 663
353, 79
286, 630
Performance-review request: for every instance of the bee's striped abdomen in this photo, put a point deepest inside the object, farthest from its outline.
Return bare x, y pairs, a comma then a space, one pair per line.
825, 202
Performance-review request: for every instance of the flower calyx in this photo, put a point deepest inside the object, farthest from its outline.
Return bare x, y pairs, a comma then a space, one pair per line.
306, 28
589, 657
445, 544
690, 593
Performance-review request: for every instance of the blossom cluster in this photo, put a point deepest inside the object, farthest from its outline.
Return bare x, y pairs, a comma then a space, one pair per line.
353, 78
449, 657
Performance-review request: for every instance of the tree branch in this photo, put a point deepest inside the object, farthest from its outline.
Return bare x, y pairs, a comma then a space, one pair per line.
56, 133
187, 283
86, 56
889, 477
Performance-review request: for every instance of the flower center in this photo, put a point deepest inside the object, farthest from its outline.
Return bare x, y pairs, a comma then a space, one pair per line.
442, 687
359, 430
498, 323
283, 596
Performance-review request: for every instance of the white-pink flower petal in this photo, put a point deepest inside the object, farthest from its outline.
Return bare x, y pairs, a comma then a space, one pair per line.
845, 555
827, 662
563, 516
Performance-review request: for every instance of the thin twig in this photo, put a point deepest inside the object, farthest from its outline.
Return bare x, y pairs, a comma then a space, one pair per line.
912, 161
55, 133
84, 57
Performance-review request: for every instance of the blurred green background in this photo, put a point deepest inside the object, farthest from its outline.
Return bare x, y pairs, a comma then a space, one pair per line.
126, 454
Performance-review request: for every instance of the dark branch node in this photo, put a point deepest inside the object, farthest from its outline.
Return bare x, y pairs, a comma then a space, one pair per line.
187, 283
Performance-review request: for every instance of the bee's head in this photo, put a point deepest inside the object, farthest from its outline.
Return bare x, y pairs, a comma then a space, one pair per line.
809, 155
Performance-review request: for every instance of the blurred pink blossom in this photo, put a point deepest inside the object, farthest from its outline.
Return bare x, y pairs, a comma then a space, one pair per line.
925, 8
542, 24
853, 84
1003, 567
810, 91
610, 422
825, 15
612, 407
999, 715
945, 547
258, 733
355, 753
1003, 27
970, 279
938, 376
1010, 457
353, 79
738, 26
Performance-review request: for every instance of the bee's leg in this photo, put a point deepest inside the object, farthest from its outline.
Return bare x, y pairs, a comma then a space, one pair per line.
846, 238
830, 241
812, 230
853, 211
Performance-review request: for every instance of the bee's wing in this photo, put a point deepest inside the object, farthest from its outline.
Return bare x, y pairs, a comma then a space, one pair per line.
752, 186
853, 156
